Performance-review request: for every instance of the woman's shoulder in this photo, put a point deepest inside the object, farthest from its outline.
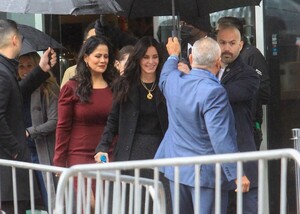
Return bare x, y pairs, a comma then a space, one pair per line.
69, 89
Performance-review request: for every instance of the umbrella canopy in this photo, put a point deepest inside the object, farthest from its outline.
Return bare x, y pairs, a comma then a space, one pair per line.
192, 8
144, 8
36, 40
62, 7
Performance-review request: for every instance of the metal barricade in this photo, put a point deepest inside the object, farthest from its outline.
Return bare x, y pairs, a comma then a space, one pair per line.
98, 171
113, 192
113, 187
32, 168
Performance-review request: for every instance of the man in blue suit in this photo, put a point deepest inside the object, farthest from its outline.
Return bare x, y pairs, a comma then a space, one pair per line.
201, 122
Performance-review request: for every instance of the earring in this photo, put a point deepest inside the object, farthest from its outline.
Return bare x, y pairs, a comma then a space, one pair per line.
87, 65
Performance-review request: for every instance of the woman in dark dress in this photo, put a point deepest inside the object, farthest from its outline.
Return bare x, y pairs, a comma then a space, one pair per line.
139, 113
84, 104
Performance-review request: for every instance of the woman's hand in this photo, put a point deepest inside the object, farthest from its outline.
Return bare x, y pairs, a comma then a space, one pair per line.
97, 157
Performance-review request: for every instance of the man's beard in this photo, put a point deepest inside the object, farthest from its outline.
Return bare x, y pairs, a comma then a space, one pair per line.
227, 57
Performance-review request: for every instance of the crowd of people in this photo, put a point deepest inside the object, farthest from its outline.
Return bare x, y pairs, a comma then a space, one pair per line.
127, 102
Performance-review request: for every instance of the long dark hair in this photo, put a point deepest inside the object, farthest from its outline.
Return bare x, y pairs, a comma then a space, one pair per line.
83, 74
132, 72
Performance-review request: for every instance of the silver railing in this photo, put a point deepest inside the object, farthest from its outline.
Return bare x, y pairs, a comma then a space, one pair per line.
112, 193
261, 156
111, 187
32, 167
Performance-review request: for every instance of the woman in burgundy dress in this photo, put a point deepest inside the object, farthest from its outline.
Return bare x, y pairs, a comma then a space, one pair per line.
84, 104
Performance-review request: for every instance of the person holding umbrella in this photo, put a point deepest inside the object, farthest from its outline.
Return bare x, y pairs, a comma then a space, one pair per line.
202, 123
12, 128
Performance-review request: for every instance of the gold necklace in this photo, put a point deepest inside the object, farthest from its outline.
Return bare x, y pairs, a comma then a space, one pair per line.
149, 95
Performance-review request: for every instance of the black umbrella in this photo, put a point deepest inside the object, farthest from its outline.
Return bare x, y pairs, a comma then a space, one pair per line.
73, 7
195, 8
36, 40
144, 8
62, 7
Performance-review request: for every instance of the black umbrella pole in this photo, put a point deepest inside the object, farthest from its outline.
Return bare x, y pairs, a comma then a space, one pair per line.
50, 43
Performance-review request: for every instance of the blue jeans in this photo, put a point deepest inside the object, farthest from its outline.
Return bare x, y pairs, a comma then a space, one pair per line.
39, 176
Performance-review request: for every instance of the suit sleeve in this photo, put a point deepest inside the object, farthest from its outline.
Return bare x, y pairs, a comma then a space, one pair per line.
66, 102
169, 66
110, 130
258, 62
219, 122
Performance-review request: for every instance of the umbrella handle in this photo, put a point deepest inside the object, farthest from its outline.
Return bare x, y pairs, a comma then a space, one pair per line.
49, 62
174, 33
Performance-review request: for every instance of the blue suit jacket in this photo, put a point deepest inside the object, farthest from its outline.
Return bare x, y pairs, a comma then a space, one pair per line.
201, 122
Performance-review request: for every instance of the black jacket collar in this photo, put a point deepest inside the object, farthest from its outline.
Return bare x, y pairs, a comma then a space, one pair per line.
232, 68
11, 64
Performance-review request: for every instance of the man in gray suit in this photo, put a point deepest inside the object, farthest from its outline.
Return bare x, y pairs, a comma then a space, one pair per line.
12, 129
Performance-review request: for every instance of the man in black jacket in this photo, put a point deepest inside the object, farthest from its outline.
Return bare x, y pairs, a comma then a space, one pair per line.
241, 83
253, 57
12, 129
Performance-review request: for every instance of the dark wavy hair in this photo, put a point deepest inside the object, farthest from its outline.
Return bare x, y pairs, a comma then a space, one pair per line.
83, 74
132, 72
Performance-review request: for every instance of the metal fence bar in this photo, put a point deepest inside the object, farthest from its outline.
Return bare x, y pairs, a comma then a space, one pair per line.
117, 191
239, 198
89, 196
15, 190
31, 190
137, 195
124, 187
218, 189
131, 198
296, 139
156, 192
70, 196
283, 186
48, 186
207, 159
261, 184
197, 188
176, 190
